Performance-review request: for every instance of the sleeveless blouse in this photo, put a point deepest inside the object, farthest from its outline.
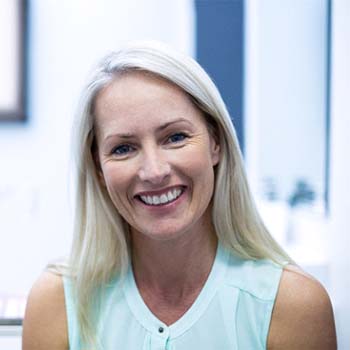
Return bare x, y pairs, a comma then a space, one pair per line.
232, 311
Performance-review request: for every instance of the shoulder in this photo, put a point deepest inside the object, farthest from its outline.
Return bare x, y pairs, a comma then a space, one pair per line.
302, 317
44, 324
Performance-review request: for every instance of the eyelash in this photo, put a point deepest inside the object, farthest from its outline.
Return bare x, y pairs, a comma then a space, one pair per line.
130, 148
184, 135
115, 149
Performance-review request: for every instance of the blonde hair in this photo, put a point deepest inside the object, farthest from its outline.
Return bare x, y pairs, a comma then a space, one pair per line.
100, 245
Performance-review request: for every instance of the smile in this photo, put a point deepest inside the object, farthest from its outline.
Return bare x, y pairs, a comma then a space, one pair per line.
163, 198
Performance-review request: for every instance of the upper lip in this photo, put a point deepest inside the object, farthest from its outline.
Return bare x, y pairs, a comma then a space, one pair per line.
158, 192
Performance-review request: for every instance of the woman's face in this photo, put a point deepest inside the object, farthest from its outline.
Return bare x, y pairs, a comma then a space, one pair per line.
156, 156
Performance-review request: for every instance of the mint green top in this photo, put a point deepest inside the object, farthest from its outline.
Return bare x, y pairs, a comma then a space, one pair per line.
232, 311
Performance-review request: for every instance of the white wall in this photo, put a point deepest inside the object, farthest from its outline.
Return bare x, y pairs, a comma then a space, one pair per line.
66, 38
285, 120
285, 90
340, 170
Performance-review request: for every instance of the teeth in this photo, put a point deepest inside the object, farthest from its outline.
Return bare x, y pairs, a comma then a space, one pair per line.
163, 199
170, 196
156, 200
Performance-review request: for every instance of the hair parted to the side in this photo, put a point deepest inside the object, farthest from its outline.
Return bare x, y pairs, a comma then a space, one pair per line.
100, 247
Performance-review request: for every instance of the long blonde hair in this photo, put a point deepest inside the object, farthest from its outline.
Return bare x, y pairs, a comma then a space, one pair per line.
100, 246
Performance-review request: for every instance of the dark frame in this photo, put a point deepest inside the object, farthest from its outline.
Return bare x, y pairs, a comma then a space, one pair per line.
11, 322
19, 111
220, 50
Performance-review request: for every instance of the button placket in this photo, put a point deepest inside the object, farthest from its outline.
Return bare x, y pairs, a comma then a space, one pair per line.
160, 339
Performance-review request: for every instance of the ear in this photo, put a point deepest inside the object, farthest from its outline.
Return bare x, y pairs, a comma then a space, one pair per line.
215, 151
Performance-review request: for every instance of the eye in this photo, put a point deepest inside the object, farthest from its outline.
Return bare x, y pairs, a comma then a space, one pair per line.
122, 150
178, 137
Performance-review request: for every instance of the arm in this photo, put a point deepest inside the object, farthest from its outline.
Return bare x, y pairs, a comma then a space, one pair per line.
45, 324
302, 317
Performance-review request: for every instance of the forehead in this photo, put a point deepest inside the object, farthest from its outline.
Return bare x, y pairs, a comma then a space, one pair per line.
138, 97
135, 87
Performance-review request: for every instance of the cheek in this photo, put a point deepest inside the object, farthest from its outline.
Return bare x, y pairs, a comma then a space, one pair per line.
116, 180
198, 167
199, 163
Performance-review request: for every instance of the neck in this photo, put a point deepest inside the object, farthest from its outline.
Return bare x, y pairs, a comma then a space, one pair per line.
174, 267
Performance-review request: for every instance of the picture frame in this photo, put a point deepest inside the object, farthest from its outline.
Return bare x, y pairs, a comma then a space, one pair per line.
13, 40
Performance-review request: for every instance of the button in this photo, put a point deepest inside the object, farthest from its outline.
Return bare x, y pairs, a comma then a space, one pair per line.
160, 329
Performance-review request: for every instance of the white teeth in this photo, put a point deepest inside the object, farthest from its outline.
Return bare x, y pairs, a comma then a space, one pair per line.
163, 199
170, 196
145, 199
156, 200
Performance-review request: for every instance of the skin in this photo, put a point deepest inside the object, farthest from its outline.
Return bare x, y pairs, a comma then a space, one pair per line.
45, 320
173, 247
302, 317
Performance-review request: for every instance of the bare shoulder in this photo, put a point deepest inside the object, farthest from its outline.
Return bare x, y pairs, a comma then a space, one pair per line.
44, 324
302, 317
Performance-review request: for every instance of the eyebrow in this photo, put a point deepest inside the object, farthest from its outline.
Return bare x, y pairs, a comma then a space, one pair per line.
160, 128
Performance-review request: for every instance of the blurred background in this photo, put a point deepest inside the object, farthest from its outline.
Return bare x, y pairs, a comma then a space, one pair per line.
283, 70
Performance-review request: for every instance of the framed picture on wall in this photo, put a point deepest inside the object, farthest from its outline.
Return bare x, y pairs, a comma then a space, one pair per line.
12, 60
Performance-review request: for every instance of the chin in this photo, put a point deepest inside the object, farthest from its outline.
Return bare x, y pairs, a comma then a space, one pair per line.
161, 234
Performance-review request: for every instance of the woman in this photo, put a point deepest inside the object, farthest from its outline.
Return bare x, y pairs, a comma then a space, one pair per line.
169, 251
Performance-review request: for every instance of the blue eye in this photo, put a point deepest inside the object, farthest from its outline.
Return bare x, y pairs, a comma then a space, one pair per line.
178, 137
122, 149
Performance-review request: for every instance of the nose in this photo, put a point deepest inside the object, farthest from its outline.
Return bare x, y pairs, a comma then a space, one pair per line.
154, 167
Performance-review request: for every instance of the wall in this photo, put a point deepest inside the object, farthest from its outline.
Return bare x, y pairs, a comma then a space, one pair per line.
285, 91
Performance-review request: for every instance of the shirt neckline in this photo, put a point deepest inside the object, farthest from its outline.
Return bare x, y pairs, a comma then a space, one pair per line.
150, 322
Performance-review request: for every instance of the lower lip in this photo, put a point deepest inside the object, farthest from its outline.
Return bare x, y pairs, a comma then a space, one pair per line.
167, 206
